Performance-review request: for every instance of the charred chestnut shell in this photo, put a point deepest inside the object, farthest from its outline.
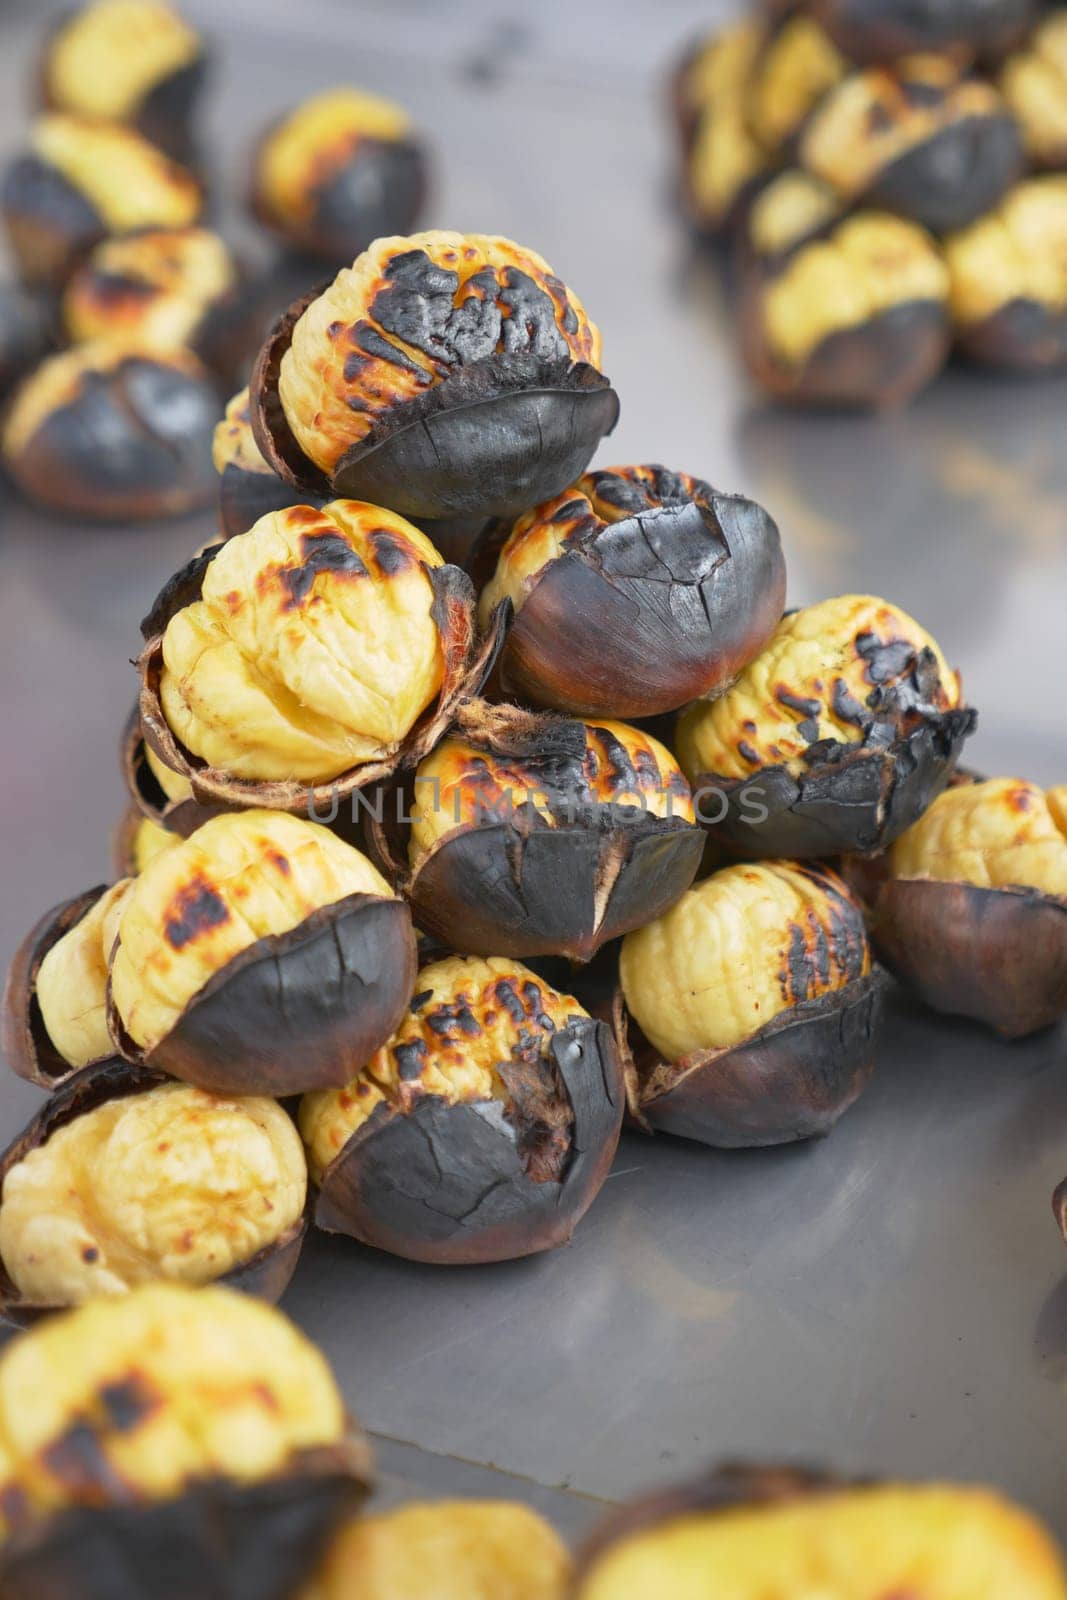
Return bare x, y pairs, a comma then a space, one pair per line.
266, 1274
503, 429
121, 434
527, 881
27, 333
27, 1048
871, 31
656, 591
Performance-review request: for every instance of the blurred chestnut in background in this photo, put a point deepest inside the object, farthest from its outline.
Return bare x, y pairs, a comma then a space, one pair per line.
173, 1442
922, 140
339, 171
836, 738
442, 375
754, 1531
752, 1007
723, 162
81, 180
126, 1178
969, 908
27, 332
1008, 279
130, 61
307, 658
884, 30
795, 66
114, 432
1033, 82
166, 288
635, 590
228, 943
533, 835
482, 1131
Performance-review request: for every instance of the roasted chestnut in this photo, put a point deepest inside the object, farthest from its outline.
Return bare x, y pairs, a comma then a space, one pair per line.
27, 333
752, 1007
531, 835
793, 210
171, 1442
132, 61
339, 171
1033, 82
127, 1178
446, 1550
482, 1131
162, 797
114, 433
81, 180
756, 1532
796, 65
165, 289
55, 996
1008, 279
922, 140
856, 315
723, 162
305, 658
262, 955
248, 487
969, 908
884, 30
136, 840
443, 375
635, 590
836, 738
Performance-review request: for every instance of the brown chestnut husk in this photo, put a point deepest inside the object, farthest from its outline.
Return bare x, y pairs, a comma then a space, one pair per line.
871, 31
127, 437
27, 1047
657, 590
266, 1274
557, 877
182, 816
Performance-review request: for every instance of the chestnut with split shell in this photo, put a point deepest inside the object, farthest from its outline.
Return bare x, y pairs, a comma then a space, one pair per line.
795, 67
834, 739
126, 1177
161, 797
262, 955
751, 1007
248, 488
722, 161
634, 591
173, 1442
526, 834
1033, 81
482, 1131
442, 375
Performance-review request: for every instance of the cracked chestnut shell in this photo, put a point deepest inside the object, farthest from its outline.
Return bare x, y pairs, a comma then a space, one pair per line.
229, 942
137, 62
87, 1222
482, 1131
337, 172
80, 181
922, 140
1008, 279
442, 375
835, 739
969, 908
635, 590
752, 1007
871, 31
1033, 82
531, 835
114, 433
722, 161
759, 1531
171, 1442
161, 797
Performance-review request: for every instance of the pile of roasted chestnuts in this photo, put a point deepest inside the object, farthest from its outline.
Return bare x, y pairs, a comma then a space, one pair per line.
893, 178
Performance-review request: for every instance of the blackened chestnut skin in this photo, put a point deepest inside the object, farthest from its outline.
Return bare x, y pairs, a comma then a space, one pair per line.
267, 1274
27, 333
27, 1048
954, 177
870, 31
50, 223
792, 1080
1022, 336
447, 1184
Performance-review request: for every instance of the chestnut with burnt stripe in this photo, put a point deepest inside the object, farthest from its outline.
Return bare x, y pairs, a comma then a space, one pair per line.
637, 589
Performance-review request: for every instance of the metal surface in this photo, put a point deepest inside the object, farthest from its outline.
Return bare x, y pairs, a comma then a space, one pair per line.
892, 1300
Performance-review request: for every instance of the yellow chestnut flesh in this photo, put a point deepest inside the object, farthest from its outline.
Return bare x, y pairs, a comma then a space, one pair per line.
152, 288
128, 182
940, 1542
815, 671
234, 444
447, 1550
999, 834
315, 140
239, 878
467, 1016
1017, 252
737, 949
169, 1183
1034, 84
312, 649
799, 65
148, 841
343, 369
790, 209
72, 981
112, 53
174, 786
173, 1384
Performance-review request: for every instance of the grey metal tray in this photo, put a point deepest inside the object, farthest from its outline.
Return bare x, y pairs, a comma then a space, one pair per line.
892, 1300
